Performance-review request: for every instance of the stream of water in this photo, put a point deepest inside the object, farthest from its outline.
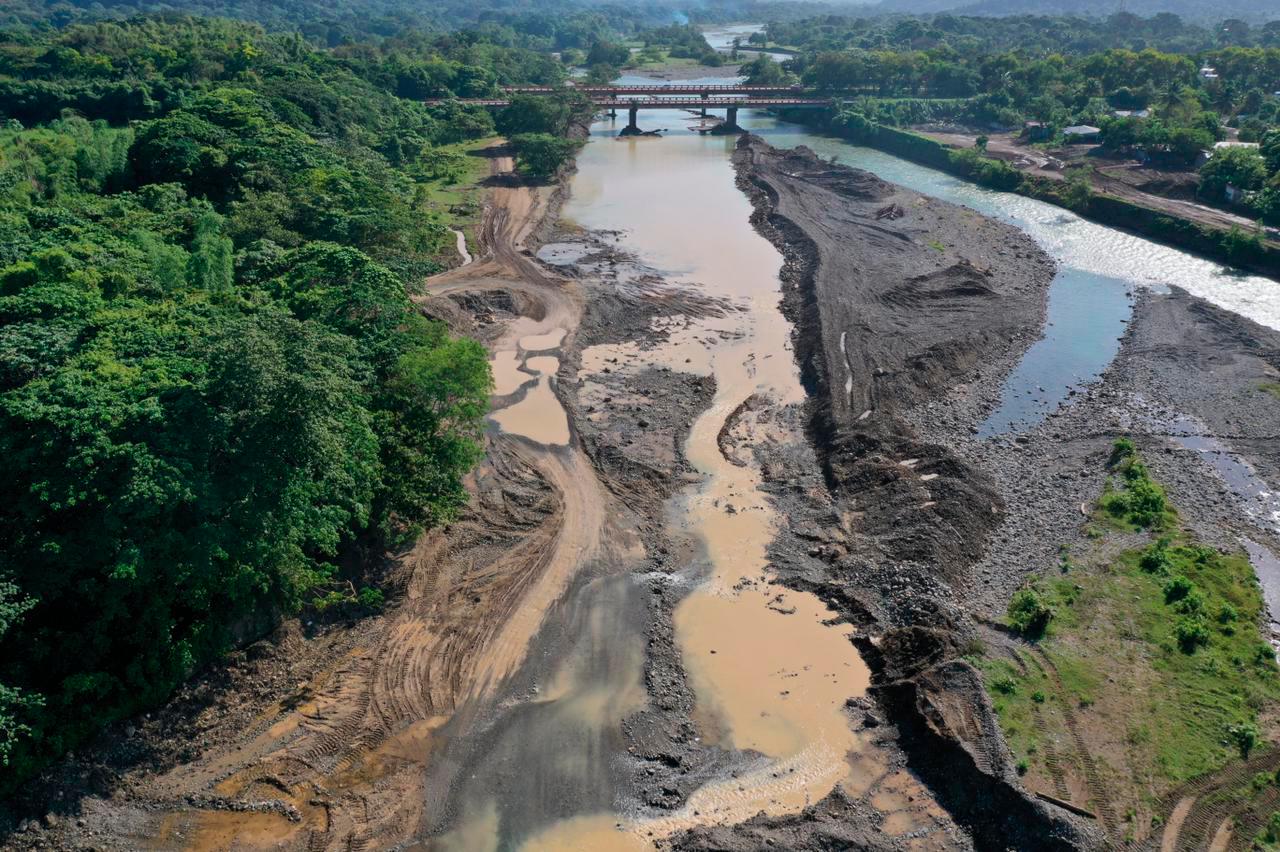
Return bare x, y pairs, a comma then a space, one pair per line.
771, 675
1090, 300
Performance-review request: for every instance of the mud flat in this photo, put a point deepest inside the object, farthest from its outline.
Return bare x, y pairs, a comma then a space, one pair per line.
706, 520
897, 298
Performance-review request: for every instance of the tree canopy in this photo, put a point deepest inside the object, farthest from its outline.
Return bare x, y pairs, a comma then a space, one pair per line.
212, 377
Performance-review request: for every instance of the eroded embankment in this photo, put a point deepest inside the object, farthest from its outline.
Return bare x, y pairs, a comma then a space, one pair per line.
895, 298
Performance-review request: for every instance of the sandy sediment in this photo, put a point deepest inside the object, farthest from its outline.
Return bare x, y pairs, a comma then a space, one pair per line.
895, 298
909, 315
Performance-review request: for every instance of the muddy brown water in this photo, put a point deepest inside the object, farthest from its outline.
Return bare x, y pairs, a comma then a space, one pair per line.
770, 674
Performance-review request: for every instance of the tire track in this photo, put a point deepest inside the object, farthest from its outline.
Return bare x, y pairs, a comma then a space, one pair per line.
472, 595
1093, 778
1051, 764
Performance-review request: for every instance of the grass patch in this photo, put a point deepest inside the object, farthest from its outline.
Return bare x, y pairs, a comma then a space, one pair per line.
1012, 697
1158, 650
449, 188
1272, 388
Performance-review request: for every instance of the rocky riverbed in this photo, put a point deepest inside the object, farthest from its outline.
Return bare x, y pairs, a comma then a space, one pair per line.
907, 314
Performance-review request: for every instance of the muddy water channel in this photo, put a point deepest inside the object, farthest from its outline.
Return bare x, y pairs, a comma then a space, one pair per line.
546, 767
771, 675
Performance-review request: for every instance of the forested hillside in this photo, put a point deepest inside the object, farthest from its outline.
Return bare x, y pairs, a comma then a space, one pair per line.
1159, 90
1204, 11
551, 24
212, 379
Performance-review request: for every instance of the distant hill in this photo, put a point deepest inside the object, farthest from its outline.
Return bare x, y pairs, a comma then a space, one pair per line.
1255, 11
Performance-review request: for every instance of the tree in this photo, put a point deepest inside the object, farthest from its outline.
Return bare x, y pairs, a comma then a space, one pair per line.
607, 53
459, 122
602, 74
15, 705
430, 422
533, 114
1243, 168
1270, 150
541, 154
210, 266
763, 71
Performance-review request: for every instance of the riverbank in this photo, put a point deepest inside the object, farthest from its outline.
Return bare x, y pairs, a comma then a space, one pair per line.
1237, 247
649, 605
866, 257
930, 592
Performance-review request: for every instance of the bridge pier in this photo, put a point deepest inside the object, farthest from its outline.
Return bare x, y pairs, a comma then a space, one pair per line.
632, 128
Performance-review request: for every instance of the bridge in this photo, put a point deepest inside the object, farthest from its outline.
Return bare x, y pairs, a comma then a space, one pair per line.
658, 89
692, 97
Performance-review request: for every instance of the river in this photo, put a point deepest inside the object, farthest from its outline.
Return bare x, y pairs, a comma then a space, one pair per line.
770, 674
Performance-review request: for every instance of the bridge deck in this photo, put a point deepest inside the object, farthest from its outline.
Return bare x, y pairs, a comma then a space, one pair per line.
671, 103
675, 89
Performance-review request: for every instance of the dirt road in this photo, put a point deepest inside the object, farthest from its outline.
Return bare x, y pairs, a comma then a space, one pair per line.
1126, 180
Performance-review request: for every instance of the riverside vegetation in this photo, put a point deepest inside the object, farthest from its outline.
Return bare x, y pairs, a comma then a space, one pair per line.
1138, 80
215, 387
1154, 632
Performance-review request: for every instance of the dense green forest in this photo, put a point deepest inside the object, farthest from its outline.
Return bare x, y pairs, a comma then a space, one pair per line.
1160, 89
213, 381
1203, 11
551, 24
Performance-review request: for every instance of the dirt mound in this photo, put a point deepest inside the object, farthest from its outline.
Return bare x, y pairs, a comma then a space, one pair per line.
803, 164
954, 740
895, 297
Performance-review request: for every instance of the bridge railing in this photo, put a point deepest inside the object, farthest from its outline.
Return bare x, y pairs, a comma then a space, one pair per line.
643, 90
654, 102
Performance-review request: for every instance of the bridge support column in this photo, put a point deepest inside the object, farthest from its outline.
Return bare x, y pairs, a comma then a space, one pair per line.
731, 118
632, 128
704, 108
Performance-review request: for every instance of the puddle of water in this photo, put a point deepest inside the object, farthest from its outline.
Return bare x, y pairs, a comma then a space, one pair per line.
507, 375
538, 416
1260, 503
552, 752
462, 247
542, 342
1267, 567
1086, 319
206, 831
563, 254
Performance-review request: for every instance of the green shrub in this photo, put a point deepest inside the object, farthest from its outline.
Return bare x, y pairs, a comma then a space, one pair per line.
1146, 503
1155, 559
1038, 696
1004, 685
1122, 450
1271, 834
1177, 589
1191, 604
1191, 633
1030, 613
1244, 736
